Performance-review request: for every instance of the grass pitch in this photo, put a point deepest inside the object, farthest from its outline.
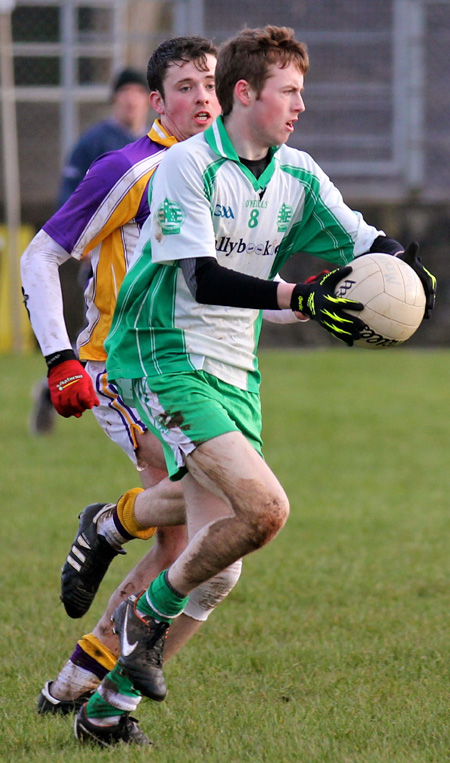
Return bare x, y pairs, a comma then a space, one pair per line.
334, 645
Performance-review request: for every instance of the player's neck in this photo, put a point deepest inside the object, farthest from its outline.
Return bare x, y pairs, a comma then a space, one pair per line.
245, 142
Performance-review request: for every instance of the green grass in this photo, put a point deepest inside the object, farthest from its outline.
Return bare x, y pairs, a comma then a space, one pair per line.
334, 645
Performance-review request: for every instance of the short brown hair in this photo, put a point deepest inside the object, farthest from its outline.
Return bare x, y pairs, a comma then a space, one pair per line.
178, 50
249, 55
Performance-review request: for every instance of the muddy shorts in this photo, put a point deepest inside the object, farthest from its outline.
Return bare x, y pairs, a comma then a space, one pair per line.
185, 409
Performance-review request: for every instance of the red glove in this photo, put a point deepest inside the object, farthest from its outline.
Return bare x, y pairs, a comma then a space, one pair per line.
317, 277
71, 389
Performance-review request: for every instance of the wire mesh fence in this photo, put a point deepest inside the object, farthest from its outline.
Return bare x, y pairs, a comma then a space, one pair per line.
377, 97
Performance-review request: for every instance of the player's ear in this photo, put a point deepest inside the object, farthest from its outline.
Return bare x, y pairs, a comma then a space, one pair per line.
157, 102
243, 91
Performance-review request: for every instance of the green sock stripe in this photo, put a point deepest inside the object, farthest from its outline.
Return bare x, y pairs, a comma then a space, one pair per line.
119, 683
97, 707
167, 602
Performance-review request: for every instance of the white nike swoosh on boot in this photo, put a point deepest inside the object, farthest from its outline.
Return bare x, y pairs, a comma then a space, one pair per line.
127, 648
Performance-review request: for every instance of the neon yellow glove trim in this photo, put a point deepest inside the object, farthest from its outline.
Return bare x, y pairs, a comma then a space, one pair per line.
336, 329
336, 317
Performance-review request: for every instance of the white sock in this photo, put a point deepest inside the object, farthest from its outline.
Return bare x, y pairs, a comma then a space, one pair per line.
73, 681
107, 527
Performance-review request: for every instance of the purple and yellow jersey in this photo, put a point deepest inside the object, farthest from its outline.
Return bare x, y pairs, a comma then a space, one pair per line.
103, 218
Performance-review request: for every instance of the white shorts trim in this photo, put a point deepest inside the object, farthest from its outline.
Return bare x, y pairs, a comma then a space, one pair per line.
120, 422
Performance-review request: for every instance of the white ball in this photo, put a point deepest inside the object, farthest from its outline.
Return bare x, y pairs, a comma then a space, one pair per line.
392, 295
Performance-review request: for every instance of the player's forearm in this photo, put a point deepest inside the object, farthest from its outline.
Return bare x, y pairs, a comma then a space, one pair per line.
40, 264
283, 316
284, 294
212, 284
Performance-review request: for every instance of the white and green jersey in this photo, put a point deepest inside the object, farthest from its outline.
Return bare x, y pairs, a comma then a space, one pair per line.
204, 203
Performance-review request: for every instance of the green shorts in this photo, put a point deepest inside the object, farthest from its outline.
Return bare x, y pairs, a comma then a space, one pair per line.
183, 410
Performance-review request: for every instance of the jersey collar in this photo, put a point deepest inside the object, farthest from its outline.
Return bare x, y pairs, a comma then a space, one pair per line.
218, 139
159, 135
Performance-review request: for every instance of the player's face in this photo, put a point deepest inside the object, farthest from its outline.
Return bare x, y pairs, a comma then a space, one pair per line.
190, 103
273, 115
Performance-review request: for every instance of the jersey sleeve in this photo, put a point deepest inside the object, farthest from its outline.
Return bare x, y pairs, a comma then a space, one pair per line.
180, 213
322, 224
93, 211
40, 265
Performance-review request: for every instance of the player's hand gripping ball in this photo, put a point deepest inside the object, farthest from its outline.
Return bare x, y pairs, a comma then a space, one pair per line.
317, 299
71, 389
427, 279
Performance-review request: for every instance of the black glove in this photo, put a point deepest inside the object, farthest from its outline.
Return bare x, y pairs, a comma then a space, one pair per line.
428, 280
317, 300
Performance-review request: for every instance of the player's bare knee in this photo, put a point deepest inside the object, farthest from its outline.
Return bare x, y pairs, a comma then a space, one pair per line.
266, 523
281, 510
264, 512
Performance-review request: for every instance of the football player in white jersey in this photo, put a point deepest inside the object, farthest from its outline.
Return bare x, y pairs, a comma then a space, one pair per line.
102, 220
228, 207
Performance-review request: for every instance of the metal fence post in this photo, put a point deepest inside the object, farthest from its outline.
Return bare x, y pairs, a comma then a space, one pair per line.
416, 164
189, 17
409, 78
69, 109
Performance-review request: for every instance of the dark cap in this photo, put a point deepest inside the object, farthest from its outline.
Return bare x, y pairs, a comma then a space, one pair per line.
129, 77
